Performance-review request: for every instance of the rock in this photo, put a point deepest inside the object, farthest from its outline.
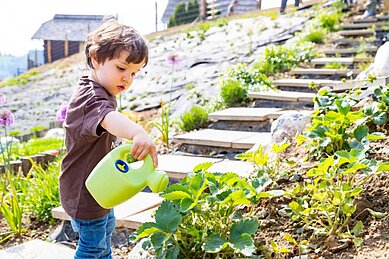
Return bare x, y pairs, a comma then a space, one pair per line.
288, 125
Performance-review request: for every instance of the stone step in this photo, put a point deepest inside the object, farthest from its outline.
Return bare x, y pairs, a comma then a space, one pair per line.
371, 19
286, 96
343, 61
303, 83
140, 202
37, 249
349, 51
223, 138
355, 41
356, 26
356, 33
243, 114
178, 166
324, 71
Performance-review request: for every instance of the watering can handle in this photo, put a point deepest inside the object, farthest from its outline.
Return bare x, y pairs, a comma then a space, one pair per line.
125, 149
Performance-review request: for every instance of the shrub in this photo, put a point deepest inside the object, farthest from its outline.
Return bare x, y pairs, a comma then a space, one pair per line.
195, 118
315, 36
329, 21
40, 191
232, 92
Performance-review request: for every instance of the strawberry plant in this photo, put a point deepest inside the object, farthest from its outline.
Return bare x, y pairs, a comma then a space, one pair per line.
206, 215
325, 202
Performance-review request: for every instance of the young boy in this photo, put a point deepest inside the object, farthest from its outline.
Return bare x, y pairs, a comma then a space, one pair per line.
115, 53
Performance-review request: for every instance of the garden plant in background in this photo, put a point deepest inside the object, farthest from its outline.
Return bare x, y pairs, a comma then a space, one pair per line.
164, 125
9, 204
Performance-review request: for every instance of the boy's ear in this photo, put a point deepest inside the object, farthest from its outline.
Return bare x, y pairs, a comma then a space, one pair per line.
94, 60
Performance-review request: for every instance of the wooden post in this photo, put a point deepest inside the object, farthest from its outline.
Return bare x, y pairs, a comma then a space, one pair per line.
66, 45
386, 5
49, 51
259, 4
203, 10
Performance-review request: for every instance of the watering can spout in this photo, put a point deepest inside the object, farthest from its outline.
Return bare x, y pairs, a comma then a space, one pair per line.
114, 181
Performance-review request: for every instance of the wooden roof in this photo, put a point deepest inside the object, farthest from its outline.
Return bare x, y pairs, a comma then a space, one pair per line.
76, 27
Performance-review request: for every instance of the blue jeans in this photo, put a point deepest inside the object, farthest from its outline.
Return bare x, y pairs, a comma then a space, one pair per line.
283, 4
94, 236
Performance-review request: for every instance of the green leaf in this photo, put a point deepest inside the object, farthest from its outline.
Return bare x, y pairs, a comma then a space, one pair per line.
357, 241
383, 166
343, 106
358, 228
145, 230
380, 119
172, 252
295, 207
360, 132
215, 244
249, 226
244, 244
376, 214
168, 217
158, 239
202, 167
187, 204
376, 136
176, 195
290, 239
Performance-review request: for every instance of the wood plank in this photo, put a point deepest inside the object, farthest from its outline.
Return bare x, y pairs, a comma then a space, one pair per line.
305, 83
263, 138
349, 50
343, 61
241, 168
280, 113
348, 26
353, 41
211, 137
363, 32
178, 167
243, 114
134, 221
361, 84
140, 202
287, 96
324, 71
37, 249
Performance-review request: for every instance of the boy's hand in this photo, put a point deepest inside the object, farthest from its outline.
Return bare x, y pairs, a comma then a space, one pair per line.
142, 145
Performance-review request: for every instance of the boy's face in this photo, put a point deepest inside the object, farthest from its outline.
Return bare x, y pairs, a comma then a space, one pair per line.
115, 75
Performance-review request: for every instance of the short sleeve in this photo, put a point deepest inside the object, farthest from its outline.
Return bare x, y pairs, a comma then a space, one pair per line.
95, 110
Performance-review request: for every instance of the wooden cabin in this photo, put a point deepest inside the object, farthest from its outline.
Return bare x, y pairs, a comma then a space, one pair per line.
65, 34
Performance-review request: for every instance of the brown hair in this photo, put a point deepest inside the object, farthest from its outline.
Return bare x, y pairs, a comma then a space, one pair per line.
110, 39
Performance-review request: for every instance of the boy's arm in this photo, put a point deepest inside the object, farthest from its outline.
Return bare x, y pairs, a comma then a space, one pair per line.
119, 125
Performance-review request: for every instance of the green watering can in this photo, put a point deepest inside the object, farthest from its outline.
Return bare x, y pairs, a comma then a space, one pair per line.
114, 181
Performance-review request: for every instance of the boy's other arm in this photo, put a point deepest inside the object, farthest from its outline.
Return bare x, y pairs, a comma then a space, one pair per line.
119, 125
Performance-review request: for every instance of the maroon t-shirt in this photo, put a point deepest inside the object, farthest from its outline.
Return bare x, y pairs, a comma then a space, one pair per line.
86, 143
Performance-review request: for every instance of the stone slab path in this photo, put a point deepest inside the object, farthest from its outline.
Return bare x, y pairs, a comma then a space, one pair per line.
244, 114
37, 249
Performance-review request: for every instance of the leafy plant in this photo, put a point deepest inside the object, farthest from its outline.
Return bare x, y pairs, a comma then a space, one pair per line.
40, 190
281, 58
233, 92
325, 203
315, 36
163, 125
195, 118
203, 215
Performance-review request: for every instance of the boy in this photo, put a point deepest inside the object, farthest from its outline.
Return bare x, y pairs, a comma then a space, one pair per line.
115, 53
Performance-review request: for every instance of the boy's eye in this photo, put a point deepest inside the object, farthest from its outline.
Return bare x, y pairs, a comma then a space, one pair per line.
121, 68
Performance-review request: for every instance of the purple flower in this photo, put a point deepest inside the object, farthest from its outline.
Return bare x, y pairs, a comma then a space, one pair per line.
61, 113
173, 59
6, 117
